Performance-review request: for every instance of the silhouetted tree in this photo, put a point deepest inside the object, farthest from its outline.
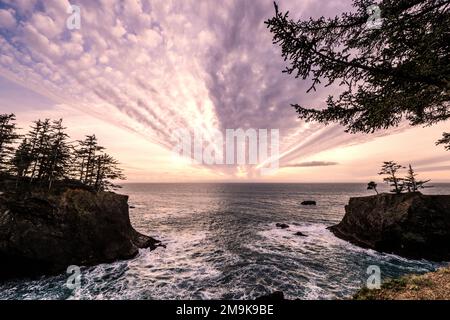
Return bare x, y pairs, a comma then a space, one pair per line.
45, 155
445, 141
390, 169
57, 166
39, 137
8, 137
86, 155
106, 171
22, 159
411, 183
372, 186
400, 69
33, 140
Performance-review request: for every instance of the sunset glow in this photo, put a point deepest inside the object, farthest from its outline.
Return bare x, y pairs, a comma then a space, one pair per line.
147, 68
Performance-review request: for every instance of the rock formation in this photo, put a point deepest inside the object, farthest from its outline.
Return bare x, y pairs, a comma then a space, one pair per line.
412, 225
44, 234
282, 225
309, 203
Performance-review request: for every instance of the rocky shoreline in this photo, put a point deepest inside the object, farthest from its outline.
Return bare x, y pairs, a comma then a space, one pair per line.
411, 225
43, 234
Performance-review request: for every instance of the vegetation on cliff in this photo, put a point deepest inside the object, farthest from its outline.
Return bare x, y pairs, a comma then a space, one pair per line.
430, 286
55, 208
409, 183
411, 224
44, 233
46, 155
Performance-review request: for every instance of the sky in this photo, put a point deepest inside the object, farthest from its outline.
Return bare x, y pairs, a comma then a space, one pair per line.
138, 70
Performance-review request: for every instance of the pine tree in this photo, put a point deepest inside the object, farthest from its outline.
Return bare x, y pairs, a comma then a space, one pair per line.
22, 159
8, 137
59, 153
106, 171
39, 137
44, 149
33, 139
372, 186
411, 183
86, 156
396, 71
45, 156
390, 169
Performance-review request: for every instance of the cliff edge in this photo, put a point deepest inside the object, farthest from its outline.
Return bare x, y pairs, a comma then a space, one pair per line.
44, 234
411, 225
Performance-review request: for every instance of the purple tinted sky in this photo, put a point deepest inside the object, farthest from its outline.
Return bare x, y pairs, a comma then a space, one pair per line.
137, 70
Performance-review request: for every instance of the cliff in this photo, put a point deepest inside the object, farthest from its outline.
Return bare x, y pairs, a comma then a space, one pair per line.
44, 234
412, 225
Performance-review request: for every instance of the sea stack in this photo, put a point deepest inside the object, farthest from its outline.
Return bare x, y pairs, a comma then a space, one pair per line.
42, 234
411, 225
309, 203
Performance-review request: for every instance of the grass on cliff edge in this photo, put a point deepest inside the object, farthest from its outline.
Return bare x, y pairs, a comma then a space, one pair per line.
430, 286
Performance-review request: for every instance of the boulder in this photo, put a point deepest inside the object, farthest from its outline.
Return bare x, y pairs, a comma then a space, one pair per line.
43, 234
411, 225
282, 225
300, 234
309, 203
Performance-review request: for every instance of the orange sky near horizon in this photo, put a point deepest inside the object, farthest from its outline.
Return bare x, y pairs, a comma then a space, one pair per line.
144, 161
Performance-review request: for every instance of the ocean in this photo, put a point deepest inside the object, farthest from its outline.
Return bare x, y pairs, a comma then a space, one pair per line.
222, 243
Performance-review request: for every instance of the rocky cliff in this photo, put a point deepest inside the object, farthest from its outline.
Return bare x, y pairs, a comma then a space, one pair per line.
412, 225
44, 234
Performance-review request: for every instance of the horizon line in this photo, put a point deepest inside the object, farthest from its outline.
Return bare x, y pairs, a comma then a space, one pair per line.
255, 182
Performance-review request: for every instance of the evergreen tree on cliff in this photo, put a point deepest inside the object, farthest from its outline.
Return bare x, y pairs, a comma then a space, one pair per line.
86, 155
372, 186
33, 138
396, 68
411, 183
59, 154
106, 170
45, 155
23, 158
390, 169
8, 137
39, 137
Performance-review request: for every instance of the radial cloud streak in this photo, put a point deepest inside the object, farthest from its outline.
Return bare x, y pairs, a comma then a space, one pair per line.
156, 66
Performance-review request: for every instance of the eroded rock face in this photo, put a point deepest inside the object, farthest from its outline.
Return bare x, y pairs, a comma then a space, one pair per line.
412, 225
43, 234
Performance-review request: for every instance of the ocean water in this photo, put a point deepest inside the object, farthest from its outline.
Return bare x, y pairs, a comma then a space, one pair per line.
222, 243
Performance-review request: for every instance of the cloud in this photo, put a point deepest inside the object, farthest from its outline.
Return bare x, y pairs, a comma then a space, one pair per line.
435, 168
23, 6
311, 164
7, 19
156, 66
